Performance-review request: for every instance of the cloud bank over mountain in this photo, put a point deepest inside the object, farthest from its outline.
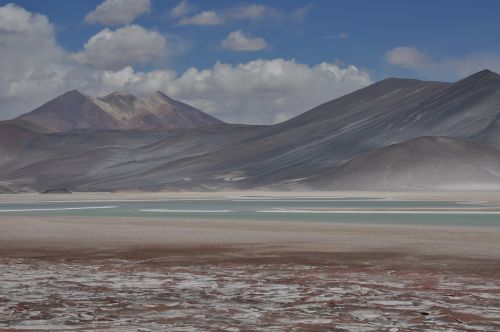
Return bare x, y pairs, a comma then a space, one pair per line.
258, 91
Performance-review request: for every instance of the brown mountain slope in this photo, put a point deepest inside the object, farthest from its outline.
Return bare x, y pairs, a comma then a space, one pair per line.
74, 110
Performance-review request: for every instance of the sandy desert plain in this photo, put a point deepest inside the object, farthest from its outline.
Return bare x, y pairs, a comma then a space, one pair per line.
250, 261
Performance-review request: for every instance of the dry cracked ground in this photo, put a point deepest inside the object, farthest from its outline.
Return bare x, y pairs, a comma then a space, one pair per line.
110, 294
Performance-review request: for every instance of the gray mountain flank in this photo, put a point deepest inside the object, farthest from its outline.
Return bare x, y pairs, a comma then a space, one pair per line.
412, 134
5, 190
424, 163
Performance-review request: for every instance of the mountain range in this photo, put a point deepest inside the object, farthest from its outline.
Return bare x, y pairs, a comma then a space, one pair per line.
397, 134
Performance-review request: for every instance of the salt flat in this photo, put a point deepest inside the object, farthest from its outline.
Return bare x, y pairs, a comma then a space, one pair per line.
177, 270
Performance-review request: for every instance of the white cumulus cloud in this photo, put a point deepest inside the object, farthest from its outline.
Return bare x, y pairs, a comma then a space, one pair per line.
208, 17
118, 12
115, 49
239, 41
406, 56
265, 91
181, 9
252, 12
448, 68
238, 12
32, 65
259, 91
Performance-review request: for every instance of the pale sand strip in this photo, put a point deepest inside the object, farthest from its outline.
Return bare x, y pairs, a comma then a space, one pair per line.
23, 235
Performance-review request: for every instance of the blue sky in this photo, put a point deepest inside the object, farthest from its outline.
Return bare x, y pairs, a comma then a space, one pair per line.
437, 40
443, 29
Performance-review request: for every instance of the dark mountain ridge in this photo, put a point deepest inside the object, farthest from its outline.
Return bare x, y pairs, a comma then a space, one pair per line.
323, 142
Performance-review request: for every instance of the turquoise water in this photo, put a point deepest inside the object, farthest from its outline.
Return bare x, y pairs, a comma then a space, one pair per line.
269, 209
